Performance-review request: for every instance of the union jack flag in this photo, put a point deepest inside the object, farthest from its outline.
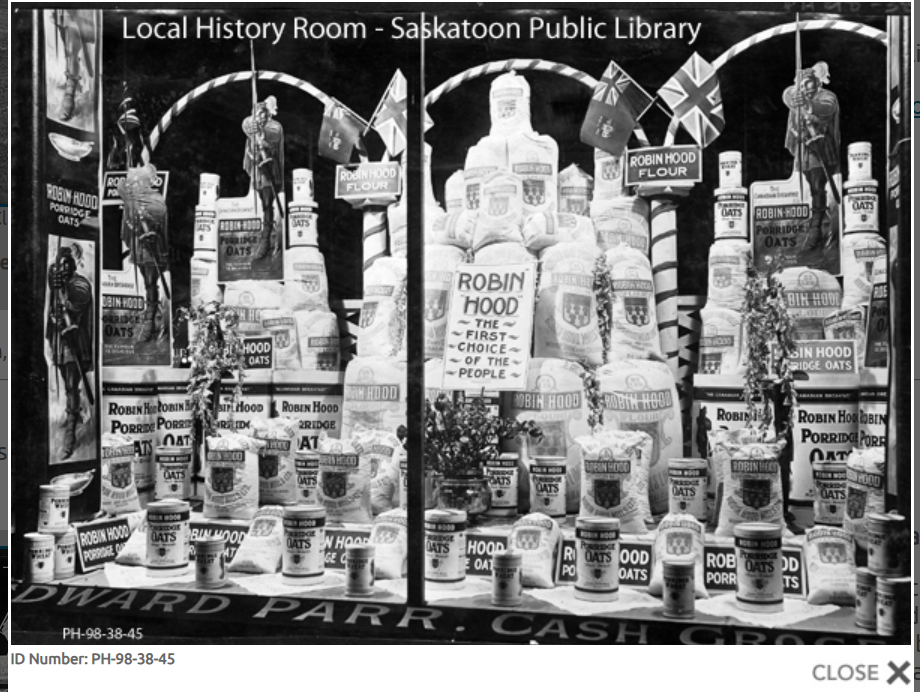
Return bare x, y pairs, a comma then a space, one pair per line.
390, 118
614, 111
693, 94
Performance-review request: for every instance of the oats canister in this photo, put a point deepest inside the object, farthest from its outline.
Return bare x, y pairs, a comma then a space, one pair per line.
304, 558
865, 599
679, 588
830, 479
39, 558
306, 465
359, 570
597, 559
173, 469
687, 480
445, 548
502, 473
210, 562
759, 565
881, 532
547, 487
53, 508
168, 538
730, 169
65, 554
893, 606
507, 587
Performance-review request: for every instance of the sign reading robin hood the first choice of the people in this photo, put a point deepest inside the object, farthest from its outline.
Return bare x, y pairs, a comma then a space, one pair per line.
489, 328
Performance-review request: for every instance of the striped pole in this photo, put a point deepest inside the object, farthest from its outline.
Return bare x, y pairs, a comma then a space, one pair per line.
663, 254
375, 235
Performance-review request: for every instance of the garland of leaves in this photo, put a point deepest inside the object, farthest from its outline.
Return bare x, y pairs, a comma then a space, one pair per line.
603, 291
398, 326
217, 349
768, 331
595, 401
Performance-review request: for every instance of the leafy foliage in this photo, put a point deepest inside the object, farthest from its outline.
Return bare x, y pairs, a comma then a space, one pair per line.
603, 290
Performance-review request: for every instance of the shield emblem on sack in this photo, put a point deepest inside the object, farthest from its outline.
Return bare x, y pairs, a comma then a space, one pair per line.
368, 312
527, 539
607, 493
856, 502
534, 192
711, 363
335, 484
221, 479
831, 553
637, 312
435, 304
311, 283
327, 361
386, 535
679, 543
282, 339
755, 492
472, 196
553, 442
269, 466
261, 527
610, 168
578, 206
498, 205
507, 109
121, 474
576, 309
760, 584
721, 277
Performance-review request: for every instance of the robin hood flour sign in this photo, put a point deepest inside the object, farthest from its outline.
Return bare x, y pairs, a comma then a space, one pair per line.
490, 326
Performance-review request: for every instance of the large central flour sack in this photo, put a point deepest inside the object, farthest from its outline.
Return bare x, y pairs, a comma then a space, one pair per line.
441, 262
382, 325
634, 318
641, 395
566, 324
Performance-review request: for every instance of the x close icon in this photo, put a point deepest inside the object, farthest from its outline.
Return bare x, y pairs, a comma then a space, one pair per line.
898, 673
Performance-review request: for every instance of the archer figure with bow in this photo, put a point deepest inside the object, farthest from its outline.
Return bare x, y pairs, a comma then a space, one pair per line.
813, 138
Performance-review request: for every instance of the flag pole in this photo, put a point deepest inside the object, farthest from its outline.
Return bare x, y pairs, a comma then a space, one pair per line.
370, 121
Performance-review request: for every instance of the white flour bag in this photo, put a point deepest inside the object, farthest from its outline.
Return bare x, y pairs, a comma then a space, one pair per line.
546, 229
679, 536
537, 538
441, 263
344, 482
554, 399
614, 476
277, 478
282, 327
865, 491
535, 159
454, 190
634, 319
566, 320
641, 395
509, 104
382, 449
231, 477
375, 394
318, 339
576, 189
721, 343
390, 538
859, 252
621, 220
848, 325
261, 549
305, 273
119, 490
752, 488
504, 253
484, 158
811, 295
383, 324
455, 228
501, 212
728, 261
250, 299
609, 178
203, 286
831, 563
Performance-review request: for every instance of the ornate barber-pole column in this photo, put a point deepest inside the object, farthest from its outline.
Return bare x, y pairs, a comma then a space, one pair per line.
663, 256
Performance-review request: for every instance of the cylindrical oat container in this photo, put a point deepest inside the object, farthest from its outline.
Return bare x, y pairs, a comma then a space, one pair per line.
507, 588
210, 562
759, 565
53, 508
173, 469
168, 538
893, 606
445, 548
730, 169
547, 487
859, 159
687, 479
208, 190
306, 465
359, 570
65, 554
304, 558
39, 558
830, 491
731, 214
679, 588
597, 559
503, 481
860, 207
865, 599
205, 241
881, 530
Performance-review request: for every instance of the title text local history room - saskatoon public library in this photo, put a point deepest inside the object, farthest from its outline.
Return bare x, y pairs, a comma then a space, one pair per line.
582, 325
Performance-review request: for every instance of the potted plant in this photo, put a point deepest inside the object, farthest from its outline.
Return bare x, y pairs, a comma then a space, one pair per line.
460, 439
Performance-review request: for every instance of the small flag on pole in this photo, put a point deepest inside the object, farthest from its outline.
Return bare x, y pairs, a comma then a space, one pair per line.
693, 94
390, 117
339, 133
614, 111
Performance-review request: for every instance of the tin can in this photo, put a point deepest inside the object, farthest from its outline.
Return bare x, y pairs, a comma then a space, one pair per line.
503, 480
303, 184
359, 570
168, 538
830, 479
306, 465
173, 468
445, 548
304, 557
65, 554
730, 169
210, 562
39, 558
303, 225
881, 530
679, 588
507, 587
860, 207
759, 565
687, 480
205, 242
731, 216
859, 161
53, 508
208, 190
865, 599
547, 487
892, 606
597, 559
